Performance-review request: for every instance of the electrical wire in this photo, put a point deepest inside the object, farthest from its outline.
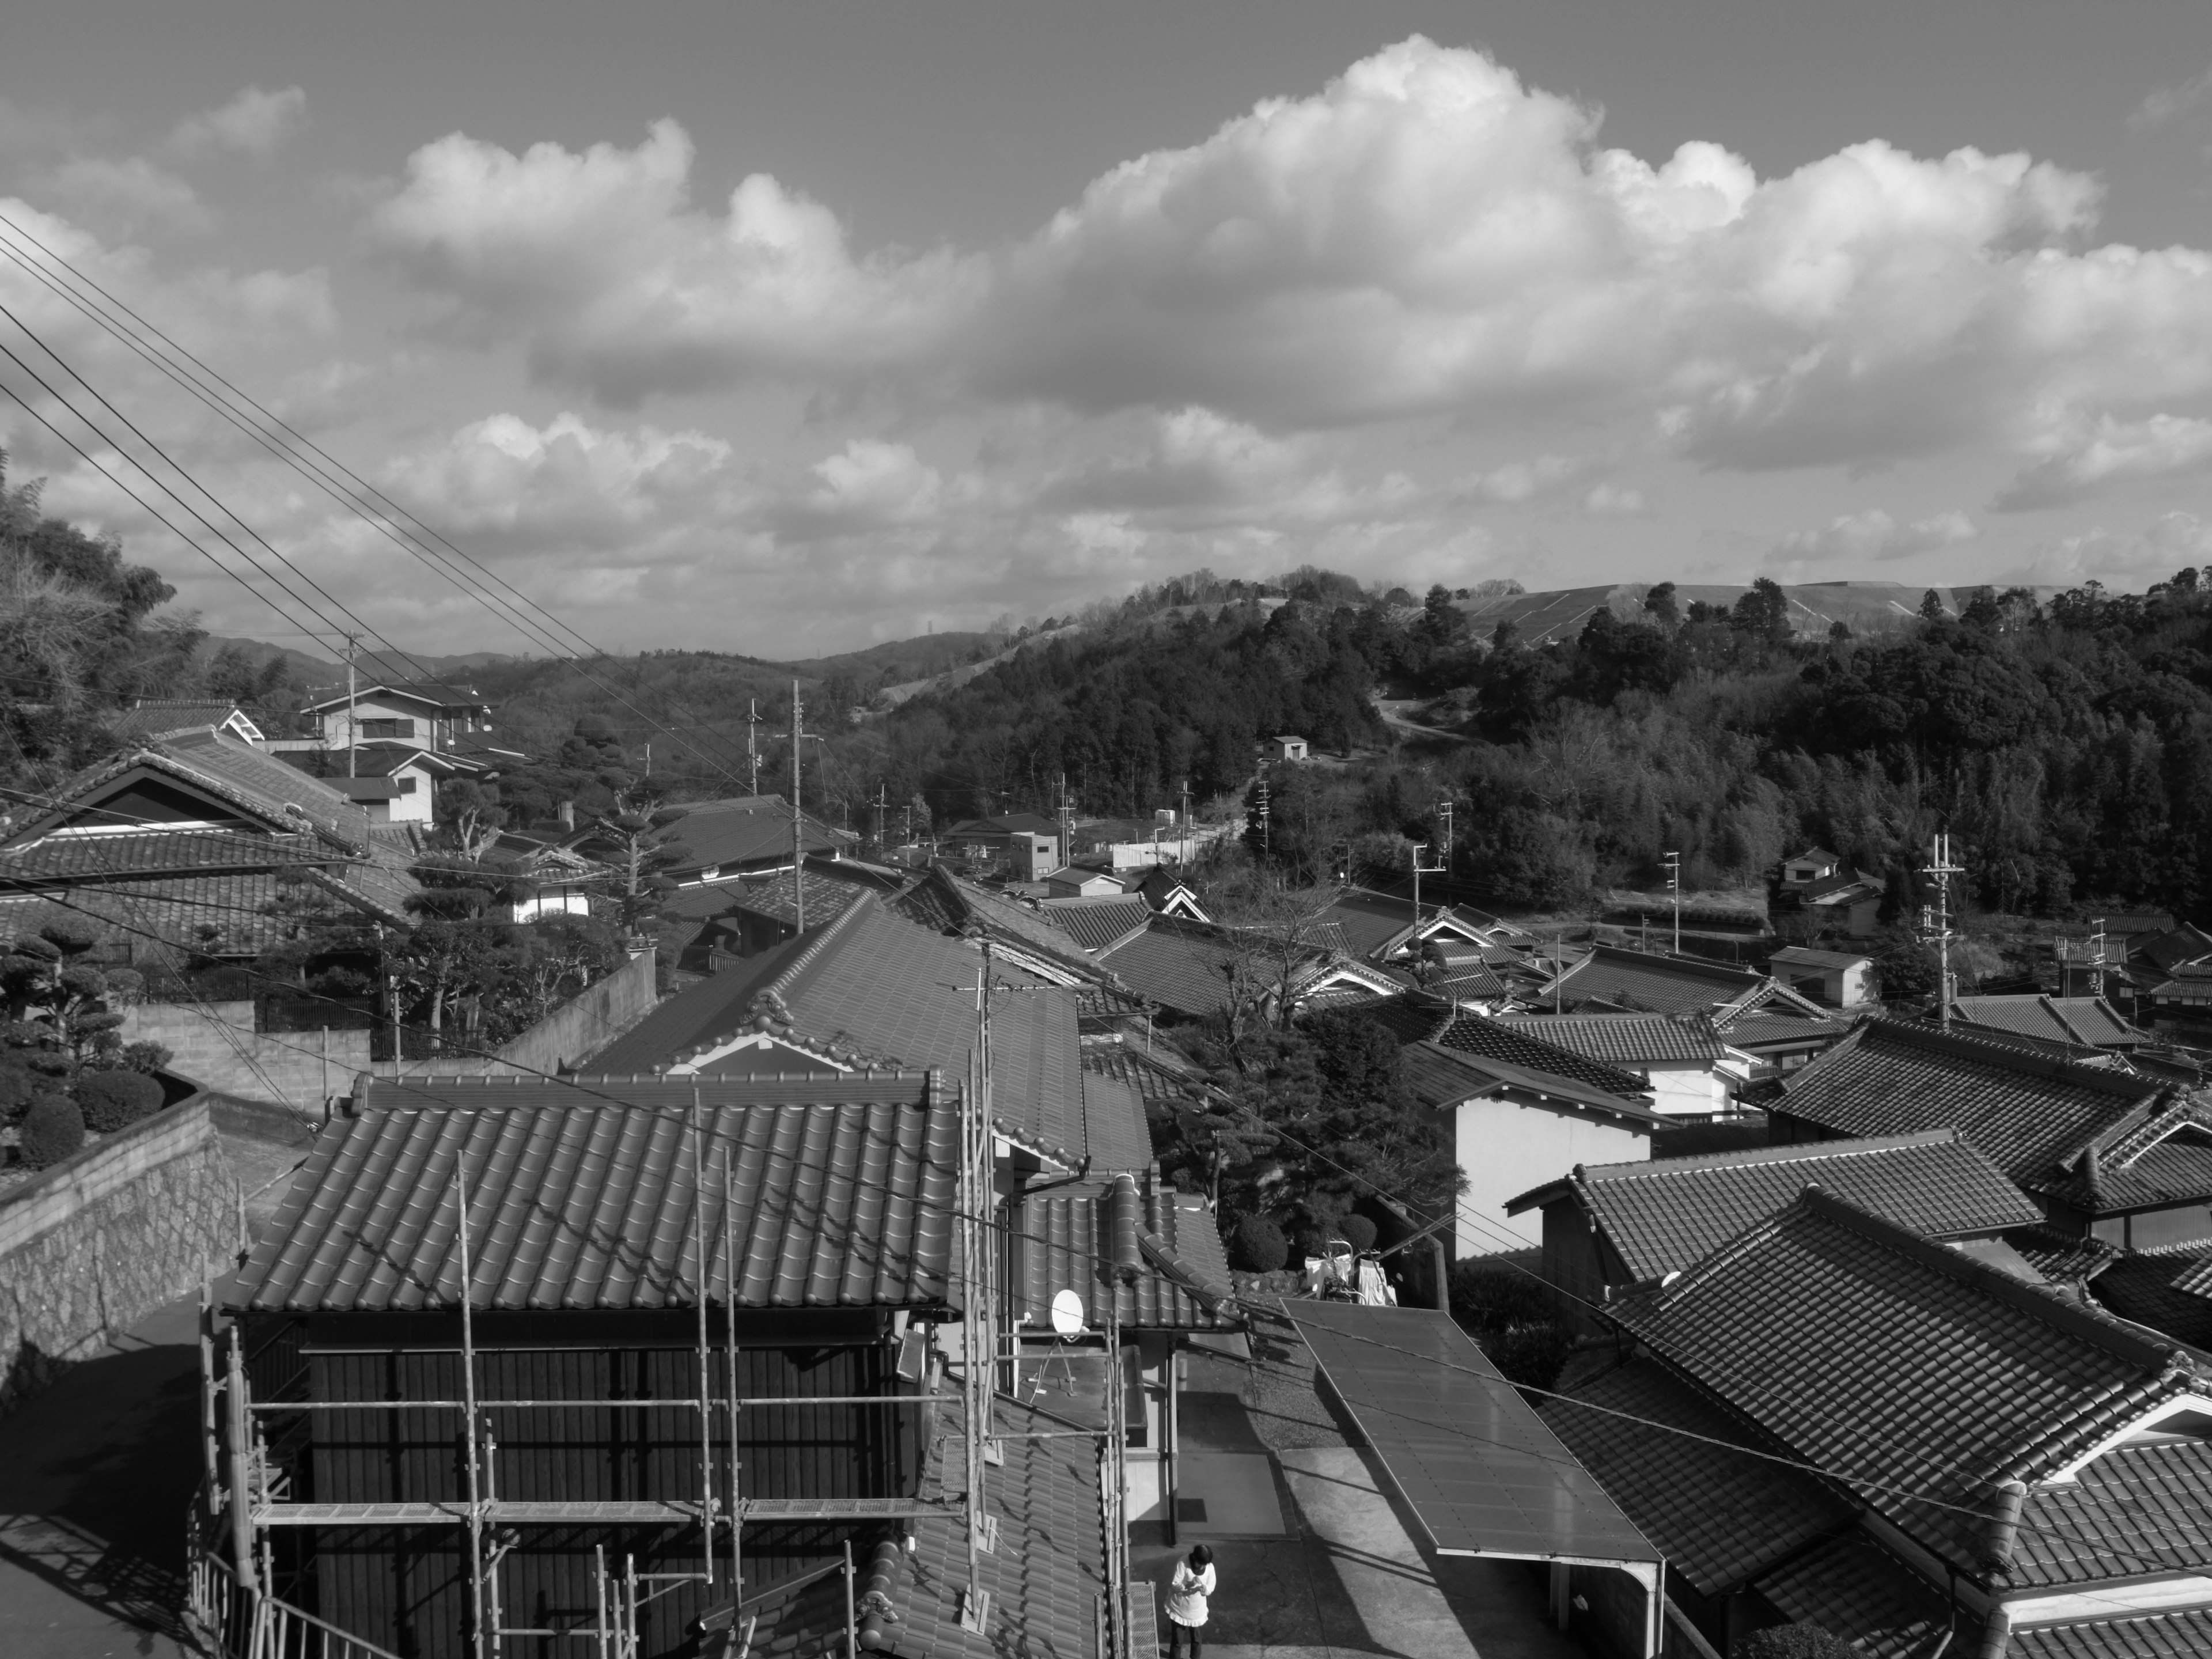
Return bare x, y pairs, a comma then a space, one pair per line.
292, 455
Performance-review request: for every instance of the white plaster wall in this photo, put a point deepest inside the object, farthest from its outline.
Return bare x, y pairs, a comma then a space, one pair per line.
1506, 1148
1687, 1092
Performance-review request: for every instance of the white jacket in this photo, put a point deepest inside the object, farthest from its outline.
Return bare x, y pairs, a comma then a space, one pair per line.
1187, 1592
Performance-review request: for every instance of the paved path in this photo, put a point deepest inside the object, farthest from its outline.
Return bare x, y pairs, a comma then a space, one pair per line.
96, 1474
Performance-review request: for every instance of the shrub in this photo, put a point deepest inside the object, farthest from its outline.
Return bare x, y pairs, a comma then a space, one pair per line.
52, 1130
1791, 1642
1257, 1246
1530, 1356
1358, 1231
109, 1100
1489, 1297
17, 1086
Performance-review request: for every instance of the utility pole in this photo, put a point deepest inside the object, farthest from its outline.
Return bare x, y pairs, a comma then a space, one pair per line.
1267, 846
882, 804
752, 750
1674, 886
1421, 869
1444, 852
797, 823
352, 726
1185, 826
1936, 920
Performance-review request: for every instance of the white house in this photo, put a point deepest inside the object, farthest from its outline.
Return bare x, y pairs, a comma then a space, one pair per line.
1691, 1072
1839, 979
1287, 749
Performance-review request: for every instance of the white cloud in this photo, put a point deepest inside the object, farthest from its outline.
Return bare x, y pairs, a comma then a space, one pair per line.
2164, 104
255, 123
2122, 559
1426, 235
2109, 453
1606, 500
134, 191
1872, 536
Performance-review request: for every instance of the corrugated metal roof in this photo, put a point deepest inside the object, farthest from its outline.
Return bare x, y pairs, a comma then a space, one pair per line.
586, 1203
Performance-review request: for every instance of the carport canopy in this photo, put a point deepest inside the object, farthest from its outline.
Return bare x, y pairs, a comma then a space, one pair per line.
1476, 1465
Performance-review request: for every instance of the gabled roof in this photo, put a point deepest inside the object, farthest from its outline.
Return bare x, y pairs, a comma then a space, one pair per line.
1012, 824
1180, 965
1804, 955
739, 830
590, 1203
872, 988
1625, 1039
2031, 1113
150, 717
1515, 1045
2083, 1022
941, 901
1630, 980
432, 693
2169, 951
1720, 1516
1663, 1214
1440, 1077
1899, 1364
1815, 855
131, 851
226, 768
1417, 1016
1099, 924
1368, 921
1836, 889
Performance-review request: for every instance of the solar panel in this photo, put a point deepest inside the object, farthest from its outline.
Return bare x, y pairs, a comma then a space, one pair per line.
1481, 1472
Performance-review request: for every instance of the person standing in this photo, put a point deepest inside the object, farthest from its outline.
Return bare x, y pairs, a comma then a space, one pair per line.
1189, 1586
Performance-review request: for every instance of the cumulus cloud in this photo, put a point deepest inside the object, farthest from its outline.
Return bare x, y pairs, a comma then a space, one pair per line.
133, 190
1426, 235
255, 123
1872, 536
1606, 500
2110, 453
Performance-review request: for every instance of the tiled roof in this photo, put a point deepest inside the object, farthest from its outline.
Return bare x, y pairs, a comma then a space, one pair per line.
1718, 1516
2061, 1257
237, 913
1440, 1077
940, 901
1099, 924
2169, 951
151, 716
1367, 922
154, 852
1804, 955
1063, 1237
871, 987
2027, 1111
2136, 1509
1411, 1016
1179, 966
237, 774
1156, 1082
739, 831
827, 896
1815, 855
440, 694
1625, 1039
1855, 1588
1891, 1360
1666, 1214
1760, 1028
1663, 985
2146, 1287
590, 1206
1116, 1133
2162, 1636
1516, 1045
1098, 1008
2082, 1021
1046, 1575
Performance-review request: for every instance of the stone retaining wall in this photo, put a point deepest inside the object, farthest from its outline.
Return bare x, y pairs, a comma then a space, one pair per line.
92, 1246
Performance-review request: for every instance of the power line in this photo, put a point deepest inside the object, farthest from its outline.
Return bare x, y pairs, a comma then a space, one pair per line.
291, 454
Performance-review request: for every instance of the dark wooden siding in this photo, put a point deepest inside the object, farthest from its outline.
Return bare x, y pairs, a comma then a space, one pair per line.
407, 1590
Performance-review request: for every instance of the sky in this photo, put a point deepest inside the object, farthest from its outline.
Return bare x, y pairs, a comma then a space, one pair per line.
787, 328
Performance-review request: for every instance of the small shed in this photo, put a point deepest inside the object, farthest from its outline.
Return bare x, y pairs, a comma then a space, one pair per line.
1074, 881
1287, 749
1839, 978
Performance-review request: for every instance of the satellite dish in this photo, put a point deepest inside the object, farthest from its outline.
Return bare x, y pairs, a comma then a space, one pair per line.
1067, 1313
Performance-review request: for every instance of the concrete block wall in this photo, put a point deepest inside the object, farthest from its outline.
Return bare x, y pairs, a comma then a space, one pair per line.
215, 1044
92, 1246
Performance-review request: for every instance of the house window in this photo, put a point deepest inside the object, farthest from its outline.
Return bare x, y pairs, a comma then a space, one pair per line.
406, 784
384, 728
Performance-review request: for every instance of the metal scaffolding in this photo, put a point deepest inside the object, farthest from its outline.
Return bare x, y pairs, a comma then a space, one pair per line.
246, 1490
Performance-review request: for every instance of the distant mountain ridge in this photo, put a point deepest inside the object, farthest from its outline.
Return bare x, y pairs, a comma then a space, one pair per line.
1864, 607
